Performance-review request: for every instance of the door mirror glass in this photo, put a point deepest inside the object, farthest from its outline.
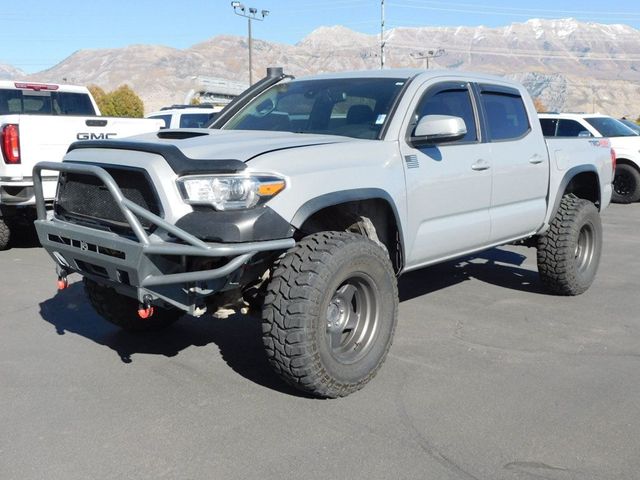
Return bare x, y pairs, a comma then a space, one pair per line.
584, 133
432, 129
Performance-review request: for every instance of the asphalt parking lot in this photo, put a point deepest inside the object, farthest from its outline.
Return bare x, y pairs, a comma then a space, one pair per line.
488, 378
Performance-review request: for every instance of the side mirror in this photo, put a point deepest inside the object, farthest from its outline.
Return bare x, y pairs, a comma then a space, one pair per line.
585, 134
432, 129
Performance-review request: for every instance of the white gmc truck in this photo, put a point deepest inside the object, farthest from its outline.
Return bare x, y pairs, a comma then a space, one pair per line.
308, 197
38, 122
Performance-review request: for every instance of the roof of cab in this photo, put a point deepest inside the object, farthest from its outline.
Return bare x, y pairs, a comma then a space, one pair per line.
407, 73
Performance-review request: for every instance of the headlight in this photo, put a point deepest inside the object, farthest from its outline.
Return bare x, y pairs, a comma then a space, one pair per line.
230, 192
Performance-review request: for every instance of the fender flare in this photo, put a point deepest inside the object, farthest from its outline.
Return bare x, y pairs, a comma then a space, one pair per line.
567, 178
316, 204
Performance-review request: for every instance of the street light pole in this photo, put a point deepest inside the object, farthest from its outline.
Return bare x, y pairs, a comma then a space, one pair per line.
250, 14
250, 51
427, 55
381, 34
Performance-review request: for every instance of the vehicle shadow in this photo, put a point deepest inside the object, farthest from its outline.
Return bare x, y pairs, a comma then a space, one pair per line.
496, 266
238, 338
24, 236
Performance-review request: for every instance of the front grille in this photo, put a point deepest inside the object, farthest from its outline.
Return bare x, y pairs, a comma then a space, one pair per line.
85, 199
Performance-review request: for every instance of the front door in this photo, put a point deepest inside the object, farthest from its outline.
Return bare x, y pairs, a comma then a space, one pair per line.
448, 185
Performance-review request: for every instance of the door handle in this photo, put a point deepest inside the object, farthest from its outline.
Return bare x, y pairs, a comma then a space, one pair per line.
480, 165
536, 159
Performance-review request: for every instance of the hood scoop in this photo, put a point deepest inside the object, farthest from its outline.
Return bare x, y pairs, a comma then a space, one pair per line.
179, 134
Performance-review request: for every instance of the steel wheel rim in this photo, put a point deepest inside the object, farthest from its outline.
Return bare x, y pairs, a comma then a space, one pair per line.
352, 318
585, 248
623, 184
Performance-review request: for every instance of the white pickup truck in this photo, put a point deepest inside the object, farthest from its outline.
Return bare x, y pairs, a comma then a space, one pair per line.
307, 198
624, 141
38, 122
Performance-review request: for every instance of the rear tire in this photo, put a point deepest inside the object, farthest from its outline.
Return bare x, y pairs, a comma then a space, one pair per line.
123, 311
5, 234
569, 252
626, 184
330, 313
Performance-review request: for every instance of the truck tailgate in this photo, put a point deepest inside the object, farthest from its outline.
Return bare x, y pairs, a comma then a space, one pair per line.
47, 138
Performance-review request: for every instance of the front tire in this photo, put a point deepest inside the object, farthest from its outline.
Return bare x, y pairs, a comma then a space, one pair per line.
569, 252
626, 184
330, 313
123, 311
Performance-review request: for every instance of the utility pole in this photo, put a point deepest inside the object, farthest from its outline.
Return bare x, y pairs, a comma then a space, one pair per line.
428, 55
250, 14
381, 34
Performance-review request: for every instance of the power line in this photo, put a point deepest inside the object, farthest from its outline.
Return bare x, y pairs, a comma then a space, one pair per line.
532, 54
496, 12
600, 13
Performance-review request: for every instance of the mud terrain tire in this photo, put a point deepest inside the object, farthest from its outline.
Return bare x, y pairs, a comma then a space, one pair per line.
330, 313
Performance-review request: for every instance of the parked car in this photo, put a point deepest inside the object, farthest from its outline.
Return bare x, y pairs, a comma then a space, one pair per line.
186, 116
625, 142
308, 197
38, 122
632, 125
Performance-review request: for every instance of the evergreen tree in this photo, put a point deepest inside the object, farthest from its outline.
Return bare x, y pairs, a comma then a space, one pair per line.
540, 106
122, 102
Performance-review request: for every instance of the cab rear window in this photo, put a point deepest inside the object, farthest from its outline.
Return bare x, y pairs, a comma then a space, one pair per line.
45, 103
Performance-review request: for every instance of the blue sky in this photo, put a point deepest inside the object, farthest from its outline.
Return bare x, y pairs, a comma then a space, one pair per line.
38, 34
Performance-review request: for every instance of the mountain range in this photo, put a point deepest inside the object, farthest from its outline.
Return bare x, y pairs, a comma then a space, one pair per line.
7, 72
567, 64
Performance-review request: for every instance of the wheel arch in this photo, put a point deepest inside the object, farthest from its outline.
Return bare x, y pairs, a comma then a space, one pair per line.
626, 161
337, 211
584, 182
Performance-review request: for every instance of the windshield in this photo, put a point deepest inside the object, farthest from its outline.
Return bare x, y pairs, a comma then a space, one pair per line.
350, 107
610, 127
632, 125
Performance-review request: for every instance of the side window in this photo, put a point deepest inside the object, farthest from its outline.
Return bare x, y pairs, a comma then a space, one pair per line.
506, 115
571, 128
455, 102
549, 126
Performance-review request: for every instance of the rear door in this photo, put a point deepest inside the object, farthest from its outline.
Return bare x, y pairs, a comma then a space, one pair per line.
448, 185
519, 161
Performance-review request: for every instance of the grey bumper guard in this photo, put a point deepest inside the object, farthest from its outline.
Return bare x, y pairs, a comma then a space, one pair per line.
126, 263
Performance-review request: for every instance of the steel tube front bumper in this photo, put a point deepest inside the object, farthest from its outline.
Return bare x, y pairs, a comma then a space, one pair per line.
141, 262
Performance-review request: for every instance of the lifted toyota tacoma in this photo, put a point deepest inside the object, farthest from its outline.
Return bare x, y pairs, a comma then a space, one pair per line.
308, 197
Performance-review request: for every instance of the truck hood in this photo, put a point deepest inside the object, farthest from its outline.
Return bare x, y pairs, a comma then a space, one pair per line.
243, 145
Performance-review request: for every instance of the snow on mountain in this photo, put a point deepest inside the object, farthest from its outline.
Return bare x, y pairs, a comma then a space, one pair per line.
7, 72
570, 65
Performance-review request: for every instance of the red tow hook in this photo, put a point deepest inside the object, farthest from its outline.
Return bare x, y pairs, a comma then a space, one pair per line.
62, 282
145, 309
